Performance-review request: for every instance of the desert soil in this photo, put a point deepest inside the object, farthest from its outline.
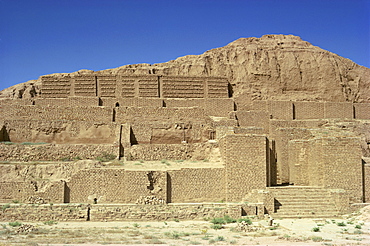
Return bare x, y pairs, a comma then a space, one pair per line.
353, 229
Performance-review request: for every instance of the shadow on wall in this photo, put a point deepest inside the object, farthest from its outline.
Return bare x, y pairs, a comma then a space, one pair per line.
4, 136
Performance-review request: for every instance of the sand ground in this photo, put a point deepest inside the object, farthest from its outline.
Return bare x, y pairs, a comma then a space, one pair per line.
352, 229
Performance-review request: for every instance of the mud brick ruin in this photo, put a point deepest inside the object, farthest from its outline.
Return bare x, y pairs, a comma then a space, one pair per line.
284, 158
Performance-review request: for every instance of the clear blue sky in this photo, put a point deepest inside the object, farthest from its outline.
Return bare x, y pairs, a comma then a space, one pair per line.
39, 37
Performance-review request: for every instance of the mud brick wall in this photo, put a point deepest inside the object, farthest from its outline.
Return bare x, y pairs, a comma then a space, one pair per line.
339, 110
249, 130
182, 87
84, 85
45, 212
217, 87
254, 119
197, 185
50, 152
282, 151
107, 85
105, 185
141, 102
126, 87
68, 102
366, 169
282, 110
259, 106
362, 111
151, 152
218, 107
55, 87
246, 159
145, 183
183, 102
22, 191
298, 161
148, 87
16, 191
6, 101
61, 132
125, 115
125, 212
341, 165
308, 110
97, 114
162, 212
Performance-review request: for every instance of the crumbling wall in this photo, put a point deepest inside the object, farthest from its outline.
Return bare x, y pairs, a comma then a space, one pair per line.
29, 192
51, 152
61, 132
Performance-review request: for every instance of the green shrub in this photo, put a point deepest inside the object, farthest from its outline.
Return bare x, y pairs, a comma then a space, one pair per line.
317, 239
218, 221
220, 238
15, 201
358, 227
316, 229
228, 219
50, 222
341, 224
15, 224
217, 226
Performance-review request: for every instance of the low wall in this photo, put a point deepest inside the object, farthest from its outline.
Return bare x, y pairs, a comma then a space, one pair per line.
127, 212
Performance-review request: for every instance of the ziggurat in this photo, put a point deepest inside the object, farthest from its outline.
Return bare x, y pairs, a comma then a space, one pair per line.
283, 158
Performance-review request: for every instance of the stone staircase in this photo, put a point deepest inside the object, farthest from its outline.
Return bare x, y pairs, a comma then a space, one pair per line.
302, 202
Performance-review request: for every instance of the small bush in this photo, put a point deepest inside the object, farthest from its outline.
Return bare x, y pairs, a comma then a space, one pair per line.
50, 222
316, 229
317, 239
358, 227
220, 238
217, 226
219, 221
136, 225
357, 232
15, 201
15, 224
228, 219
176, 220
341, 224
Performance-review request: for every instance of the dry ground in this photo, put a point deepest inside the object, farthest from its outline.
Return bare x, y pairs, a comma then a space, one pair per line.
349, 230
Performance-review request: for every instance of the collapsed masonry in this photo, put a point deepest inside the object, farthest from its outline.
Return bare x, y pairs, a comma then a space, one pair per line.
274, 154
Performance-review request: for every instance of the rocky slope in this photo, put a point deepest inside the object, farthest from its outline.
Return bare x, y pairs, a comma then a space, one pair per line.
280, 67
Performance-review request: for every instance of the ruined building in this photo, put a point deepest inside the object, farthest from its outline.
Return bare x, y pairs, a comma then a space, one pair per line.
287, 158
